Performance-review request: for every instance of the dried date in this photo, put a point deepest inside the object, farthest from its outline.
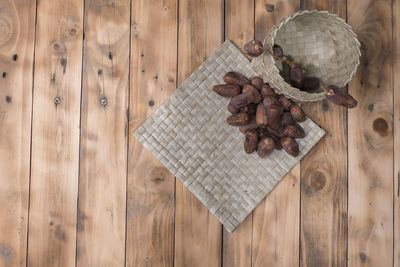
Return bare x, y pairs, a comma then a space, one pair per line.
234, 77
294, 130
261, 115
290, 146
242, 100
265, 146
227, 90
238, 119
250, 141
338, 97
257, 82
297, 113
254, 91
254, 48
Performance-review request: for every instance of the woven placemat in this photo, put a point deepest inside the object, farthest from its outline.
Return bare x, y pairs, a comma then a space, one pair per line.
189, 135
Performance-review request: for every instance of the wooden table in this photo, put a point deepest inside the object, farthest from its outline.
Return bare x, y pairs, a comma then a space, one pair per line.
76, 188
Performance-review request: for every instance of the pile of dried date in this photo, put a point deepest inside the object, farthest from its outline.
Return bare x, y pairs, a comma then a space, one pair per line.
268, 120
294, 74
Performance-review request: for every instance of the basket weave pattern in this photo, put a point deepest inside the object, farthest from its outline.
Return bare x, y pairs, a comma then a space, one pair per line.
189, 135
321, 42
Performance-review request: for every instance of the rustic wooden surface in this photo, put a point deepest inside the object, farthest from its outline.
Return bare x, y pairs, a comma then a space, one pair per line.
77, 77
323, 197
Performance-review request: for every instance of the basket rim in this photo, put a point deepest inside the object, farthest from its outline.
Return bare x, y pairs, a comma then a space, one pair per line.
270, 39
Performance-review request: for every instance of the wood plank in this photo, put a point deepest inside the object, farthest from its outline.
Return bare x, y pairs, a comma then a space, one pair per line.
324, 178
55, 133
150, 218
239, 28
371, 138
198, 233
396, 130
276, 219
103, 152
17, 33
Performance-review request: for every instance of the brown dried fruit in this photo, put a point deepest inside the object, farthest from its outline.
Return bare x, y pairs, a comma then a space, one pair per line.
296, 77
277, 142
254, 48
310, 84
297, 113
234, 77
271, 100
227, 90
242, 100
286, 103
277, 51
286, 118
294, 130
252, 124
257, 82
290, 146
250, 141
276, 130
285, 71
261, 115
232, 109
254, 91
265, 146
250, 109
263, 132
338, 97
238, 119
274, 113
266, 90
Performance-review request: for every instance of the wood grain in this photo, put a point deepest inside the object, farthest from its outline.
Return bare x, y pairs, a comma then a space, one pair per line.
17, 32
276, 219
396, 131
323, 232
371, 138
198, 235
239, 28
150, 217
103, 152
55, 133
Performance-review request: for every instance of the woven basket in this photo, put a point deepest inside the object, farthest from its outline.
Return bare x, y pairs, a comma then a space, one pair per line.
321, 42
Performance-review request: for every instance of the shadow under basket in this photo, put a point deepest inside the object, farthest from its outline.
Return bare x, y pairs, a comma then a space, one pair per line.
321, 42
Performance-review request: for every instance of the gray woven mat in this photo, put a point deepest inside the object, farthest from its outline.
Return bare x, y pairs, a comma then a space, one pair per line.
189, 135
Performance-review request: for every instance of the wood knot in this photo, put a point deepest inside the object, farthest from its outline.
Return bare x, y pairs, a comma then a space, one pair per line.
15, 57
57, 100
60, 233
103, 101
363, 257
70, 33
63, 62
151, 103
58, 48
381, 126
8, 99
157, 175
270, 7
4, 75
69, 27
318, 181
6, 29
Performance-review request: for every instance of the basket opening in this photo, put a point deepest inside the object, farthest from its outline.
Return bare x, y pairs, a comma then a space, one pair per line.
323, 44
